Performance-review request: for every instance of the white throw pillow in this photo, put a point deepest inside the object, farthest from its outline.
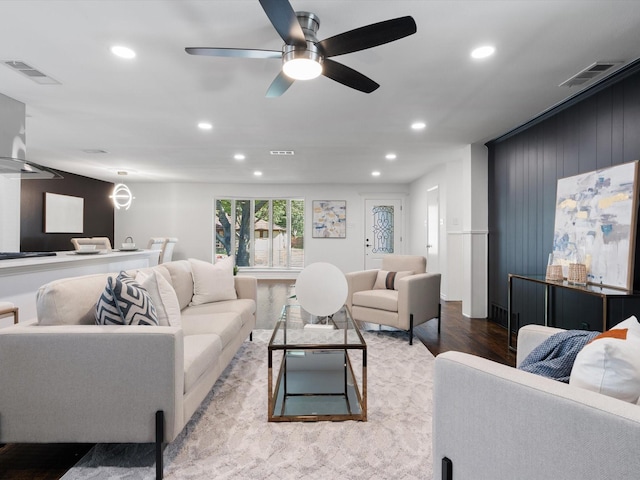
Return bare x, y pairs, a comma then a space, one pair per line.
389, 280
212, 282
610, 363
163, 296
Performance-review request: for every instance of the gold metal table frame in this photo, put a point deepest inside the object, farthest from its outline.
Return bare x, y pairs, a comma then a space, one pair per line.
315, 379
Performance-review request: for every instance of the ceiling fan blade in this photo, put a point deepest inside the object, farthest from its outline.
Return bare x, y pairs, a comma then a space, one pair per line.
284, 20
368, 36
279, 85
348, 76
233, 52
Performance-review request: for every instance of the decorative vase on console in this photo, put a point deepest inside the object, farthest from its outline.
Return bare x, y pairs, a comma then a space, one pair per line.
577, 271
554, 272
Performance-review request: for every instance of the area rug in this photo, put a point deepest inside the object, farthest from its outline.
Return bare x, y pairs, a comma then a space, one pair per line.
229, 436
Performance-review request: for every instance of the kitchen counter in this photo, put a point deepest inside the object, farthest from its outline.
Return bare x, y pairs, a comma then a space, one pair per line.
20, 278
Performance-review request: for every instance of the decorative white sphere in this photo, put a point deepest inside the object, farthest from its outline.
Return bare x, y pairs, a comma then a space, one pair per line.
321, 289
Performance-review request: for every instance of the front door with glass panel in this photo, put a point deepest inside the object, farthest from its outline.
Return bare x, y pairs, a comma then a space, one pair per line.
383, 230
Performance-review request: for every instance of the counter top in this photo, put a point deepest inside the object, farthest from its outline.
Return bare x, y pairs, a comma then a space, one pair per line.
20, 278
61, 259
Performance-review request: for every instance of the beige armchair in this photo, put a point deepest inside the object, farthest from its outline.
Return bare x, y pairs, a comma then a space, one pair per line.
158, 243
8, 308
401, 294
101, 243
165, 245
167, 255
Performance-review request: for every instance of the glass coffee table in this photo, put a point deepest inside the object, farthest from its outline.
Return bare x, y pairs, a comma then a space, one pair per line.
313, 359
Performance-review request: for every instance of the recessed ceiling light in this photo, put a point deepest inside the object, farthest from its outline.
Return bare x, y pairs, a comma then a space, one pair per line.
257, 173
391, 156
123, 52
418, 125
375, 173
239, 156
483, 52
205, 126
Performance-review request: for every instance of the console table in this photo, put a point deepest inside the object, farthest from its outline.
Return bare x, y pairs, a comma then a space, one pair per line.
606, 294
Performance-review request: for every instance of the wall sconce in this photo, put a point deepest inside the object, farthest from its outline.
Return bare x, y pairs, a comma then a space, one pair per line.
122, 196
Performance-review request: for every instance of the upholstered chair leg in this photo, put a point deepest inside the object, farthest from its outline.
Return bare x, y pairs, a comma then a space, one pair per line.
159, 444
251, 336
439, 316
447, 469
411, 329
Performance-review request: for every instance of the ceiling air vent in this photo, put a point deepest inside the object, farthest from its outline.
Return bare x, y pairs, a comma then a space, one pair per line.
592, 71
94, 150
27, 70
282, 152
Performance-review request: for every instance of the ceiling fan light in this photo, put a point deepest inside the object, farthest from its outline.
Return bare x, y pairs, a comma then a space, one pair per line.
302, 64
302, 69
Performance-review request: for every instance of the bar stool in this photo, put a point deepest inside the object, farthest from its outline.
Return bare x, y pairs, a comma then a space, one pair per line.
8, 308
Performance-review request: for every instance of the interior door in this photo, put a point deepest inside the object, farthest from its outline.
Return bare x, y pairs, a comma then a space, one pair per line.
383, 230
433, 230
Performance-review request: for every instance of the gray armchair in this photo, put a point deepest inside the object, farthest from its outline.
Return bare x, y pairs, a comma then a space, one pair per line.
401, 294
492, 421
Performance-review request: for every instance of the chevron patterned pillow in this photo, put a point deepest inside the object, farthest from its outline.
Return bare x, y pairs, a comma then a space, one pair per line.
125, 302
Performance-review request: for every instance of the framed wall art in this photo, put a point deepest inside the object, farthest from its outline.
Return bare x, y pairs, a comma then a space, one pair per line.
63, 213
595, 224
329, 219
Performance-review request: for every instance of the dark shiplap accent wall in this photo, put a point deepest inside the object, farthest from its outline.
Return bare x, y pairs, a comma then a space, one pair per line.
98, 211
599, 131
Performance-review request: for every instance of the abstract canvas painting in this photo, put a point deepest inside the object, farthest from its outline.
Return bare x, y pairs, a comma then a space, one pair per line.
595, 224
329, 219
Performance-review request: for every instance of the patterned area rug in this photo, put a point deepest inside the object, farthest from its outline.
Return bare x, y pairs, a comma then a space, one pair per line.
229, 436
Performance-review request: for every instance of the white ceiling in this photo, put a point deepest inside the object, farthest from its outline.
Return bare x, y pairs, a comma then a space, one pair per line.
144, 112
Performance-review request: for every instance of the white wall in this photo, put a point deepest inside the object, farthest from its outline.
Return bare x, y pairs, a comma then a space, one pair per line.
461, 177
447, 176
475, 231
9, 213
186, 211
12, 141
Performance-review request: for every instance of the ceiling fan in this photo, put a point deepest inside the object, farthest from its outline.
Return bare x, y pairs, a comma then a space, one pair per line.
304, 57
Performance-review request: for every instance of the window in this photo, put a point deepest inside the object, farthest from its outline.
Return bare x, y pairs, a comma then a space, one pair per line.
262, 233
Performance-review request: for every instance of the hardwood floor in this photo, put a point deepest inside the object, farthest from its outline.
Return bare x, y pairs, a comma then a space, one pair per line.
470, 335
476, 336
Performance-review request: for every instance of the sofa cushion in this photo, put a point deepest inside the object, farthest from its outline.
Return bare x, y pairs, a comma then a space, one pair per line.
212, 282
389, 280
378, 299
163, 297
244, 306
201, 353
225, 325
70, 301
181, 280
610, 363
125, 302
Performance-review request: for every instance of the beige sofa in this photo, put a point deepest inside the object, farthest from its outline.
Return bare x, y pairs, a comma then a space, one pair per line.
492, 421
65, 379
